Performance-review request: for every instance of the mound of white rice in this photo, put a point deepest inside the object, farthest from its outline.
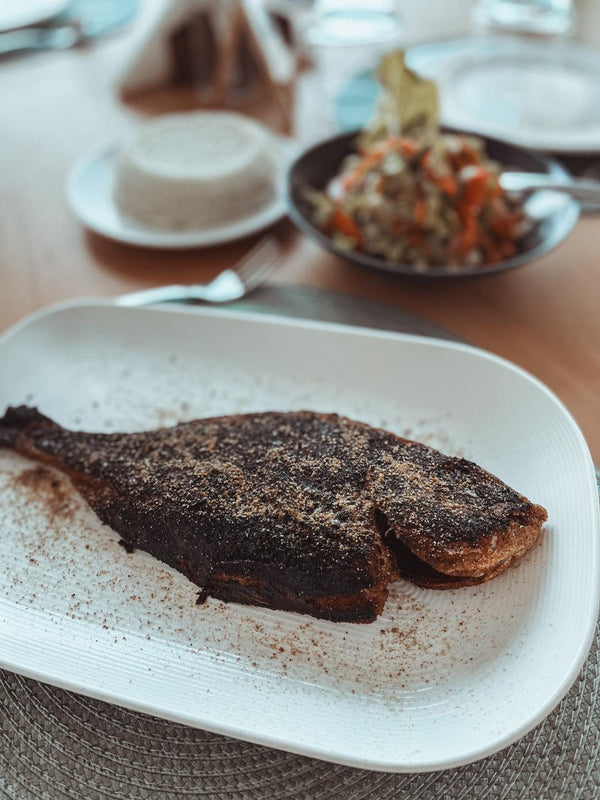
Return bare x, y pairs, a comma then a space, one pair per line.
195, 171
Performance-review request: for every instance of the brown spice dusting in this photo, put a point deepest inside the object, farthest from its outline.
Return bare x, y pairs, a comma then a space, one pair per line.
404, 648
55, 493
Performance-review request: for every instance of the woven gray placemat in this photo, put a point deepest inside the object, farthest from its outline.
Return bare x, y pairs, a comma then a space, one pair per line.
56, 744
321, 304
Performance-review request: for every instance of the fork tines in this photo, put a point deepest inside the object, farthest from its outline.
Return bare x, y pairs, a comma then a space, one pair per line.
259, 262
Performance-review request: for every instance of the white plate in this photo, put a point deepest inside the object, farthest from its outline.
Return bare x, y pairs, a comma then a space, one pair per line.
90, 197
19, 13
537, 95
443, 678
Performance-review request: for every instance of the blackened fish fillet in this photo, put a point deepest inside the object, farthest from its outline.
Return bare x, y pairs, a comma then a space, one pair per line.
300, 511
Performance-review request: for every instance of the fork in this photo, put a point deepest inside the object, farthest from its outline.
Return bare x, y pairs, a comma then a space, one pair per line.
231, 284
43, 37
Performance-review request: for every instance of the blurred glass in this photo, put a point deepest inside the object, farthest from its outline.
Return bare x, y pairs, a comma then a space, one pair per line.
353, 22
341, 38
541, 17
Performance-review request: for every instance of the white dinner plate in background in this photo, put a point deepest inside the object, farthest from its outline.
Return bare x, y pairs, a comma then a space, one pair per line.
540, 95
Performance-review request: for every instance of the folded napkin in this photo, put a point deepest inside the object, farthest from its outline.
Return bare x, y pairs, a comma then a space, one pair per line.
219, 48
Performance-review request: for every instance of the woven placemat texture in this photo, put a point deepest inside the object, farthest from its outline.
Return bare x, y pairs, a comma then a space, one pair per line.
304, 302
56, 744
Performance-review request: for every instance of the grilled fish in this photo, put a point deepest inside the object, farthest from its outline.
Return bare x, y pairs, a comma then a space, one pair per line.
301, 511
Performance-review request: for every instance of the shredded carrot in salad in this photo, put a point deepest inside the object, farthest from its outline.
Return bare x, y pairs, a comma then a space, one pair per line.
427, 204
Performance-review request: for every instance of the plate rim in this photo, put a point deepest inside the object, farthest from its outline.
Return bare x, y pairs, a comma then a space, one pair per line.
416, 50
177, 240
500, 742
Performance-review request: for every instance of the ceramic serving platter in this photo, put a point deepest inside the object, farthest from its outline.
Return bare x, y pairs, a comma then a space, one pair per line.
441, 679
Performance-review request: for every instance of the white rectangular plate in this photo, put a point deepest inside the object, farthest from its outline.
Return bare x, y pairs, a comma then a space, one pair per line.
442, 678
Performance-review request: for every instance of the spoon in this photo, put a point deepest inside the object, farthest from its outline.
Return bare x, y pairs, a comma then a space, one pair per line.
585, 190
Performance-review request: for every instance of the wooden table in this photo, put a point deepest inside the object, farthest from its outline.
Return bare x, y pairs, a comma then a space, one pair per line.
545, 317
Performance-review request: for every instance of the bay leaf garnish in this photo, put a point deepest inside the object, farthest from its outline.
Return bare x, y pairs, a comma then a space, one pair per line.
408, 104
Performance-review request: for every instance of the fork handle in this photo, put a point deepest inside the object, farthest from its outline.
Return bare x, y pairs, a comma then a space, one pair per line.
159, 294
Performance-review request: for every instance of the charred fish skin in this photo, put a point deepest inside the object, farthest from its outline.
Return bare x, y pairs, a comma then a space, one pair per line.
299, 511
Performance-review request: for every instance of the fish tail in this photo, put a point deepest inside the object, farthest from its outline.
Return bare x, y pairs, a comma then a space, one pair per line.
16, 419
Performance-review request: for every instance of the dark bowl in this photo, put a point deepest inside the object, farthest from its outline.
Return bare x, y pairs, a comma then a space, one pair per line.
553, 214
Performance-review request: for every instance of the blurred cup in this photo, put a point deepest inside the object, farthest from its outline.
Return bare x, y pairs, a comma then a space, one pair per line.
534, 17
354, 22
344, 39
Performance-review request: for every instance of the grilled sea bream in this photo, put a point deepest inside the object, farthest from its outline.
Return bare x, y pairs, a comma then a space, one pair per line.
300, 511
